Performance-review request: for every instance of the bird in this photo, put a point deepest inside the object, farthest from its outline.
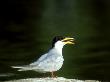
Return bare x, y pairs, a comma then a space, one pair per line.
51, 61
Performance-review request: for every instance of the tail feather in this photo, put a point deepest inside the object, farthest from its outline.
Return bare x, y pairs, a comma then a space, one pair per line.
28, 67
16, 66
21, 68
24, 68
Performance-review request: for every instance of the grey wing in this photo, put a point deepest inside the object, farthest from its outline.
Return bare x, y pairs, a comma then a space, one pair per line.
40, 59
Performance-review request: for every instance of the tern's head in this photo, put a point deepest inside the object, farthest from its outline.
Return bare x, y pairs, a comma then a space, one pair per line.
61, 41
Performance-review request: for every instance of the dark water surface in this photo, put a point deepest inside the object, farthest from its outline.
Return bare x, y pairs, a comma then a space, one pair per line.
28, 27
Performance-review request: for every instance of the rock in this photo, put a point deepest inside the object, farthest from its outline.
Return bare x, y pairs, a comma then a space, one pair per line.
48, 79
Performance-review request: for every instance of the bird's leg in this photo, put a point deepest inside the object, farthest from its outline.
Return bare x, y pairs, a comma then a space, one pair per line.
52, 74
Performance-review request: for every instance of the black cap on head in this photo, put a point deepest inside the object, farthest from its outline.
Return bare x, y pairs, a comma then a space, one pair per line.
57, 38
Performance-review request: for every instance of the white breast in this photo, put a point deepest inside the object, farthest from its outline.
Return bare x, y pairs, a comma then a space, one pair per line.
52, 62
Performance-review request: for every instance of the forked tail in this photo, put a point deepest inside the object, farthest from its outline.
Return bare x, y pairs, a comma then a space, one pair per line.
21, 68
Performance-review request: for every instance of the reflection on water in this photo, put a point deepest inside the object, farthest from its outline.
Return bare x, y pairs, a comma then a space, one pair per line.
28, 27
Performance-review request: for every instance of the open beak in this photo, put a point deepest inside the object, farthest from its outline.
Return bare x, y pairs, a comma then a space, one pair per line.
68, 40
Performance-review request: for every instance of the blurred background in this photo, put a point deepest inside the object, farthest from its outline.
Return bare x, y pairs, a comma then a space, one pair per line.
27, 28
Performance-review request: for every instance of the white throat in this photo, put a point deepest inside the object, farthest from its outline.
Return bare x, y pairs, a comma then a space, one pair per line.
59, 46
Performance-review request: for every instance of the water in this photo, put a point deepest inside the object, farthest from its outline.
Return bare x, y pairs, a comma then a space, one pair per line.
29, 27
